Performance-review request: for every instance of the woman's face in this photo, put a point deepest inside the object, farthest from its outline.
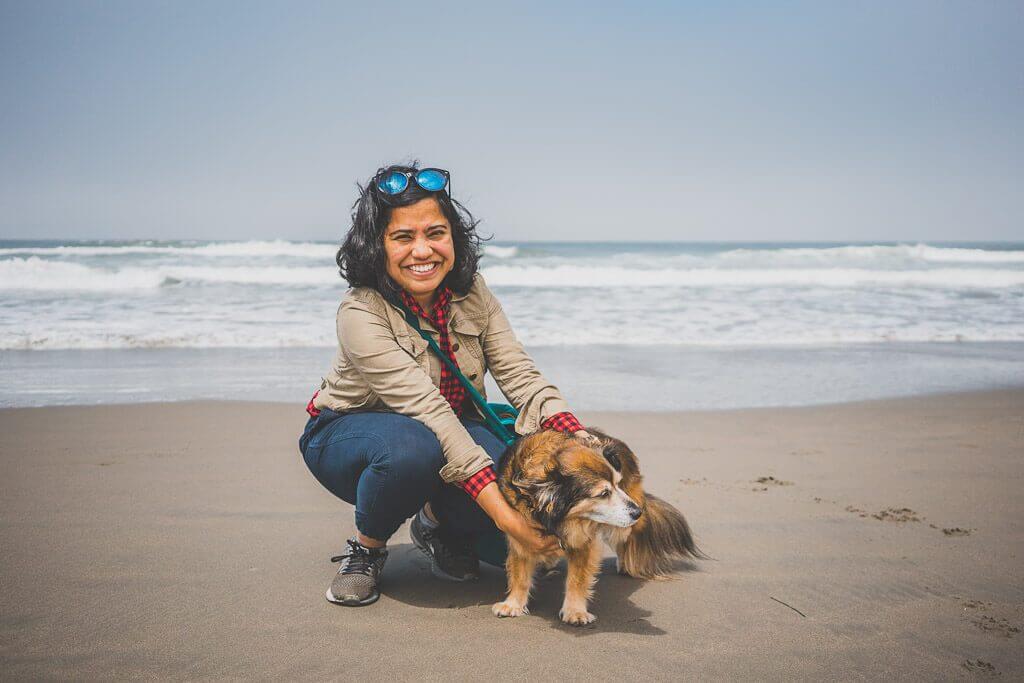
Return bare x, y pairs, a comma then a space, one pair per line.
419, 248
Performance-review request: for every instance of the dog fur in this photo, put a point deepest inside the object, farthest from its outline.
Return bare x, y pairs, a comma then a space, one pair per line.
583, 493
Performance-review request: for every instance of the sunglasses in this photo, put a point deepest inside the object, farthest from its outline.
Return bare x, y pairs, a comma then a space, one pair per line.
430, 179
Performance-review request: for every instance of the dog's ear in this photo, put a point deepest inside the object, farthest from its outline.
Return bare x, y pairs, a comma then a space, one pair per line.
609, 447
612, 457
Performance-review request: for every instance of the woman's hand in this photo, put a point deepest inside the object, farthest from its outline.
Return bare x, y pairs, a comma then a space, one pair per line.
587, 438
510, 521
529, 535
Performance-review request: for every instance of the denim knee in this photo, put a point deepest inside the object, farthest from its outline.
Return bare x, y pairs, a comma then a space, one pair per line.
397, 483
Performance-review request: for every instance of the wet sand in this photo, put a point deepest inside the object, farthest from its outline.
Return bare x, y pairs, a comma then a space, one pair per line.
188, 540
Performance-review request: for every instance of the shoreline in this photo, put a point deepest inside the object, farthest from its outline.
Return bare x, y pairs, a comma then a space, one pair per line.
188, 540
967, 394
591, 377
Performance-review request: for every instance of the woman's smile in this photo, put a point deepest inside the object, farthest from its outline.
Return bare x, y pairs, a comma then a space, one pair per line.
423, 269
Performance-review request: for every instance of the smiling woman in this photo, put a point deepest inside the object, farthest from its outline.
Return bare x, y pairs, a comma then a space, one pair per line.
391, 429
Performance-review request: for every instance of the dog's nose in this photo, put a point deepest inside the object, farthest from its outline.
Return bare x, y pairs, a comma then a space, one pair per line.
635, 512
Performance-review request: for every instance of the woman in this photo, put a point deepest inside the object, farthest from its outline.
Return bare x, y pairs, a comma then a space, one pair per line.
392, 430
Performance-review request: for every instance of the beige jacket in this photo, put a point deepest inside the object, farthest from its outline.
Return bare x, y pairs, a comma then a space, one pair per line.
384, 364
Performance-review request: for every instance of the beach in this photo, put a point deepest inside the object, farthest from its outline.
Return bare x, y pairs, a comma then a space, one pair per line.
187, 540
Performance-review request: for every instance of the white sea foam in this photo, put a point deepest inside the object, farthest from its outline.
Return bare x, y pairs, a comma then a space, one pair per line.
495, 251
228, 333
610, 276
34, 273
284, 294
867, 255
311, 250
270, 275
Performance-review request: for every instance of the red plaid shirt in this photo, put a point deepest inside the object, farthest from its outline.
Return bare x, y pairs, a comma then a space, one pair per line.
453, 391
450, 386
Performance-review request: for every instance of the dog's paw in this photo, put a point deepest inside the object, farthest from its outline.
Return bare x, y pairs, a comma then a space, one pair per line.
508, 609
576, 617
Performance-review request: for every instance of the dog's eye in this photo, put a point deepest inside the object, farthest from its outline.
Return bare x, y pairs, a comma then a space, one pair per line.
605, 493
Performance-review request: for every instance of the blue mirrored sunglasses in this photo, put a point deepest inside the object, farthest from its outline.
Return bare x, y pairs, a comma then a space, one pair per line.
430, 179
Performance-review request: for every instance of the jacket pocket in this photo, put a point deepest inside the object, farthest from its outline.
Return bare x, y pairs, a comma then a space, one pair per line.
467, 331
414, 346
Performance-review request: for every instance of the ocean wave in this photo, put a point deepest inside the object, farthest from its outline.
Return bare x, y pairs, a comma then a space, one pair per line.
34, 273
904, 254
311, 250
610, 276
495, 251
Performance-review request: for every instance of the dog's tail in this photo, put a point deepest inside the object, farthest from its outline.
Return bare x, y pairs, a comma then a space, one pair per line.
661, 537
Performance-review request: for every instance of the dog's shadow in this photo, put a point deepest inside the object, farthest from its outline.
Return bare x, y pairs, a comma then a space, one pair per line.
408, 580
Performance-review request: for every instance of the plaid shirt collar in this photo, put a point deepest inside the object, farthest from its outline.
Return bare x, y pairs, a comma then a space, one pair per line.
438, 314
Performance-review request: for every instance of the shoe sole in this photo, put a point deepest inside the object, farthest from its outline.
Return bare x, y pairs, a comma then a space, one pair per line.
435, 568
352, 602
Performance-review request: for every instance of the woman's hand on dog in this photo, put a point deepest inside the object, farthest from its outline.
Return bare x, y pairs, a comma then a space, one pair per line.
531, 536
512, 522
587, 438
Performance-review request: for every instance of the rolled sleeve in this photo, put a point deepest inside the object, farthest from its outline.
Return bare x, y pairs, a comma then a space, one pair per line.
475, 484
562, 422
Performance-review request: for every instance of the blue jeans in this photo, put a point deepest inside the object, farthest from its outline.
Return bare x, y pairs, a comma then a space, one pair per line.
387, 465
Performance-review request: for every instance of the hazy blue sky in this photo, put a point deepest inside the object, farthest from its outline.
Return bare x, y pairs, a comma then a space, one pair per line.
692, 121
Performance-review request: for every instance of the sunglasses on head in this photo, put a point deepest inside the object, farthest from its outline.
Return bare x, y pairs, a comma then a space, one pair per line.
396, 182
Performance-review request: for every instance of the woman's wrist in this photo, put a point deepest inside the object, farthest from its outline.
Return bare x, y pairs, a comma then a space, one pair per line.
497, 508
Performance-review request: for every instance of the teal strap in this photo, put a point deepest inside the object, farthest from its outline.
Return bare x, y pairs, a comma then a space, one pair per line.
494, 423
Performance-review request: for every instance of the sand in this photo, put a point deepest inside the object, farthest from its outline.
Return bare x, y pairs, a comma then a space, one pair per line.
188, 540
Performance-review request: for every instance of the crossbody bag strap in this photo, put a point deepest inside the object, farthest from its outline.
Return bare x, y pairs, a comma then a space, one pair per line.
493, 421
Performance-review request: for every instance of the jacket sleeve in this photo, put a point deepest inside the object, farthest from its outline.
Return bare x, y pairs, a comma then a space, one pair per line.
531, 394
367, 340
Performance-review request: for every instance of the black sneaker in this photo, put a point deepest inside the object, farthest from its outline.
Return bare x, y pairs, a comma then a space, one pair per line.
356, 581
450, 559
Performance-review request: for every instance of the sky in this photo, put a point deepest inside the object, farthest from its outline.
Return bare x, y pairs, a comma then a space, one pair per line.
812, 121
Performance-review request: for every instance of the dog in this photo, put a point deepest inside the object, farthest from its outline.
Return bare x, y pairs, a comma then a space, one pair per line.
583, 493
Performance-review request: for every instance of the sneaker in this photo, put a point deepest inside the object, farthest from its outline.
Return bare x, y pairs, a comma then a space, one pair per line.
450, 559
356, 581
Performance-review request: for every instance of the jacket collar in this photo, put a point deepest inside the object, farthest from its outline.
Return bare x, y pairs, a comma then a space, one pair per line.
455, 317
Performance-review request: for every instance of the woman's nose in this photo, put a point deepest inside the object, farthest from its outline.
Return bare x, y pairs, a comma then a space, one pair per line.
421, 249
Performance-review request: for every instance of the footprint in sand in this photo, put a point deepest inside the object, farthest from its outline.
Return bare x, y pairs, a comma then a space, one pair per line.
954, 531
856, 511
997, 626
772, 481
989, 624
896, 515
980, 666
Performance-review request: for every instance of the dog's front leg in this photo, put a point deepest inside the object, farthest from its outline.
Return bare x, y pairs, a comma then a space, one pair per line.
519, 567
579, 583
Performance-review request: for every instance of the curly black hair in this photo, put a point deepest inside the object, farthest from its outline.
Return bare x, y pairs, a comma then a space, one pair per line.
362, 260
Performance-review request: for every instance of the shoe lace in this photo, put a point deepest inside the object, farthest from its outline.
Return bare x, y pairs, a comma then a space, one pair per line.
358, 559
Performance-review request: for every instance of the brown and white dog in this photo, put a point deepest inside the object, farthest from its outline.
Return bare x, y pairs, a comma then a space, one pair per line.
582, 493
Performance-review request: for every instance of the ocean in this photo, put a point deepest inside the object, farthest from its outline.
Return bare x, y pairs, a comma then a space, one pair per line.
617, 325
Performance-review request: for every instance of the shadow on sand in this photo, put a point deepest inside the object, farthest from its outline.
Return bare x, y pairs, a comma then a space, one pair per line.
408, 580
